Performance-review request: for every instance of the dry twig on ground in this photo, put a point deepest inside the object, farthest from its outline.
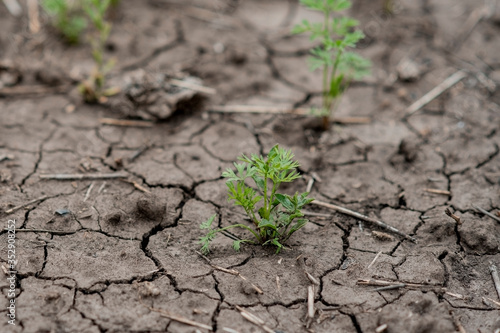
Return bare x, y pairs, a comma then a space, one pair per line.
485, 212
84, 176
254, 319
175, 317
230, 271
283, 110
125, 123
453, 216
16, 208
494, 275
438, 90
365, 218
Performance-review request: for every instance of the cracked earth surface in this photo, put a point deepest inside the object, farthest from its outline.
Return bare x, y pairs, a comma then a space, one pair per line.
121, 252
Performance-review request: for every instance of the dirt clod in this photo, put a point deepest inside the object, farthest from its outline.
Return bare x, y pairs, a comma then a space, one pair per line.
154, 96
49, 76
151, 208
407, 152
148, 289
480, 235
113, 218
52, 296
417, 313
247, 289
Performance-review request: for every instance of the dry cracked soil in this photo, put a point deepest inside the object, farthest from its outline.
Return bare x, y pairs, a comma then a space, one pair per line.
120, 255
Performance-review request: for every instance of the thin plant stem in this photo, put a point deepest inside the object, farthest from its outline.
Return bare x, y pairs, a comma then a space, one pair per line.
325, 67
241, 226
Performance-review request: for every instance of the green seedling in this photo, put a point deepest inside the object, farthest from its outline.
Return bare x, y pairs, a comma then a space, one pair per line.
66, 18
338, 36
275, 216
93, 89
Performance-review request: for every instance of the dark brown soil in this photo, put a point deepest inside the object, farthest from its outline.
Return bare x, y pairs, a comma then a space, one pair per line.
119, 251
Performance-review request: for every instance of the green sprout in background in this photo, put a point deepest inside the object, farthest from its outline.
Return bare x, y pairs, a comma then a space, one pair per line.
275, 216
93, 89
71, 18
66, 18
340, 66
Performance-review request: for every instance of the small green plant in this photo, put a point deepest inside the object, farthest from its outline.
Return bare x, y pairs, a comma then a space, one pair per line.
93, 89
275, 216
339, 65
66, 18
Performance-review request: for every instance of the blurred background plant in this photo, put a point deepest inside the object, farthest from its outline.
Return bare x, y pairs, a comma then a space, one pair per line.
93, 89
71, 18
340, 66
67, 18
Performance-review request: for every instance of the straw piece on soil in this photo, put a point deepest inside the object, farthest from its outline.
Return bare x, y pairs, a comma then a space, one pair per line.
438, 90
137, 185
382, 236
101, 187
448, 212
312, 278
485, 212
310, 302
257, 289
491, 302
16, 208
31, 90
455, 295
259, 109
494, 275
88, 192
177, 318
13, 7
138, 152
254, 319
374, 259
182, 320
33, 13
316, 177
310, 184
230, 271
84, 176
207, 15
476, 16
225, 270
307, 213
365, 218
436, 191
459, 325
278, 286
302, 265
125, 123
193, 86
383, 283
229, 330
398, 284
283, 110
394, 286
